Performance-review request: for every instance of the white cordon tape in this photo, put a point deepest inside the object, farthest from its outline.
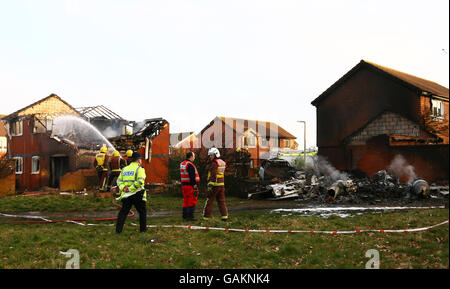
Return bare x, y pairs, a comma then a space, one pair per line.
247, 230
298, 231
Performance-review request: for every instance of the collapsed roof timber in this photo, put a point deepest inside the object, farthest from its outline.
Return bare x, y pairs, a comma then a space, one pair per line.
149, 130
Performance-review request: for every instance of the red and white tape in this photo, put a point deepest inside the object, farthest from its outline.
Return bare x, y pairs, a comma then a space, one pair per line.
190, 227
298, 231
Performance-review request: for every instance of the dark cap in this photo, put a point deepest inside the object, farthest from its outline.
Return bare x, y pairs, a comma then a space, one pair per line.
136, 156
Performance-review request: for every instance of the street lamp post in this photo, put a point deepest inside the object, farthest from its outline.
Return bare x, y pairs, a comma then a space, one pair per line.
304, 138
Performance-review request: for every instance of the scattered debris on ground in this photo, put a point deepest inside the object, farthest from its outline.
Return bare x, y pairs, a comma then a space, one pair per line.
338, 187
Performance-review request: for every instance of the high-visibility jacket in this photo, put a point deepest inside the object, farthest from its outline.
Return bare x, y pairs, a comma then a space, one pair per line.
100, 161
216, 174
132, 176
185, 178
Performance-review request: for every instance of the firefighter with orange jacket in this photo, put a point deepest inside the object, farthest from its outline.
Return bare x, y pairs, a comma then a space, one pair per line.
216, 185
190, 180
115, 165
101, 165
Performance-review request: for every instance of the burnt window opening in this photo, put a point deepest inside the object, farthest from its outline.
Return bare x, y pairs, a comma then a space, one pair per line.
437, 109
16, 128
19, 165
35, 165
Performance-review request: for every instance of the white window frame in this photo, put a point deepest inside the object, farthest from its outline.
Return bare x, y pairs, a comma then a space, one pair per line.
13, 126
439, 106
3, 143
33, 165
21, 161
265, 142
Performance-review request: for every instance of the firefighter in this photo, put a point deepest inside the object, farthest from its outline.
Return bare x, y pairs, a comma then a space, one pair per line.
237, 162
115, 166
100, 164
216, 185
129, 153
131, 183
245, 160
190, 181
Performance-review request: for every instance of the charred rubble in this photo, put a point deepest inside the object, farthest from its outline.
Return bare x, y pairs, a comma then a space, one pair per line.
341, 187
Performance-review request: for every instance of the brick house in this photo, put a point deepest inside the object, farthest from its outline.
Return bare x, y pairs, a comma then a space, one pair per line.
374, 113
3, 138
228, 134
39, 159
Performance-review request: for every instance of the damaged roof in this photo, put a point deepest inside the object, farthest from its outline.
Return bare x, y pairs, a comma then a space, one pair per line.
99, 111
416, 83
18, 112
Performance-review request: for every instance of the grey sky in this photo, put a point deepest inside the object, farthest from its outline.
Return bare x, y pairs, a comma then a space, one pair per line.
188, 61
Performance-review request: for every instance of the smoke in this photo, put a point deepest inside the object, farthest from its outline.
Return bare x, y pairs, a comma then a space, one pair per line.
110, 132
322, 167
78, 131
402, 169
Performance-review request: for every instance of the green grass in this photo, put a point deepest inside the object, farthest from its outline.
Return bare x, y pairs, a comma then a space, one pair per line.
69, 203
38, 245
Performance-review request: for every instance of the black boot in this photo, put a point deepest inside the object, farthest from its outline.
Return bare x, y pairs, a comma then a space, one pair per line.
191, 214
185, 213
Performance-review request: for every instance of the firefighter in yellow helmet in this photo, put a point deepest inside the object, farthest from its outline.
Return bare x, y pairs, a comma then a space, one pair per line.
115, 166
101, 165
127, 158
131, 183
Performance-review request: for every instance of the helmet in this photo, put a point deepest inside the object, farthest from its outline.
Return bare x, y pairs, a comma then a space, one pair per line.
129, 153
103, 150
116, 154
214, 151
238, 149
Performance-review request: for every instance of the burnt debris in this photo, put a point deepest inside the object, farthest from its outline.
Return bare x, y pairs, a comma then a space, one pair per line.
382, 186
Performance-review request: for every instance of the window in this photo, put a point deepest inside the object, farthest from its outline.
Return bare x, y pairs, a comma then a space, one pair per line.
16, 128
437, 108
19, 165
35, 165
286, 143
3, 143
264, 142
250, 141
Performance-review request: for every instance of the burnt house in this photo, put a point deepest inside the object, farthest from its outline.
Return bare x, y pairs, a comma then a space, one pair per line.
40, 160
374, 113
150, 138
109, 123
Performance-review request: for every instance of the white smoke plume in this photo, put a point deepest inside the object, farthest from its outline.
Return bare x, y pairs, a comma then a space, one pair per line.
110, 132
402, 169
322, 167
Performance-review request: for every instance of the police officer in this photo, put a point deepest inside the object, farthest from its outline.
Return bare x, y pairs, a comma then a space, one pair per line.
216, 185
190, 180
131, 183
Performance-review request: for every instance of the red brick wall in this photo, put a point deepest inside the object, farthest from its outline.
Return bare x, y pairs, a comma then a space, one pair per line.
359, 100
157, 170
36, 144
430, 162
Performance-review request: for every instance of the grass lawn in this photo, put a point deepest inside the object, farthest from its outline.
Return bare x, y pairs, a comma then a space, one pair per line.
38, 245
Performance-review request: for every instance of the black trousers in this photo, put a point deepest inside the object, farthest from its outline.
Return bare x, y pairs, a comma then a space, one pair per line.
140, 205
